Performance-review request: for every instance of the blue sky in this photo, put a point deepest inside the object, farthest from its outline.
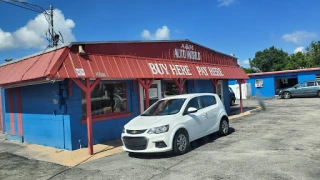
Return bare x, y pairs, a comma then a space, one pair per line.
230, 26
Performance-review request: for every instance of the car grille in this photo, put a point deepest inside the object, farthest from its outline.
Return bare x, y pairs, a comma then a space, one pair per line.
136, 131
135, 143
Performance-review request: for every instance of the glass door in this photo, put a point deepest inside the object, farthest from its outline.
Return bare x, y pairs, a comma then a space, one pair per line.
154, 94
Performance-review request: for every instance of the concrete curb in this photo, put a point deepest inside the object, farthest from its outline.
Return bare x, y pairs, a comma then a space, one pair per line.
244, 114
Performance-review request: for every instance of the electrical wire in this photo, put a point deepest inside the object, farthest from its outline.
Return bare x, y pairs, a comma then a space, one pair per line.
20, 6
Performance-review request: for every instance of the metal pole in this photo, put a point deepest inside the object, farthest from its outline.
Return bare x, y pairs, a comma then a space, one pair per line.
52, 31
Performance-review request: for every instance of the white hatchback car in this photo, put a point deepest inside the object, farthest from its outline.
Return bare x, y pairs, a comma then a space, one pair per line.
173, 122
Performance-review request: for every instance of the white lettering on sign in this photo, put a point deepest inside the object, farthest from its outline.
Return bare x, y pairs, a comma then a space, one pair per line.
100, 74
175, 69
186, 52
80, 72
203, 71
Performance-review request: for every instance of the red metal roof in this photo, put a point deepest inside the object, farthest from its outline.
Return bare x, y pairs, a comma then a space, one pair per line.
284, 72
63, 63
124, 67
35, 67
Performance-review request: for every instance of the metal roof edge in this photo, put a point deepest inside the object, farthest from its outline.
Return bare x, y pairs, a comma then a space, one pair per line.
284, 72
33, 55
147, 41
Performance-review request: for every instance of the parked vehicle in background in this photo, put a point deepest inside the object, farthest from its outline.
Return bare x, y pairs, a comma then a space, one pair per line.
306, 88
232, 97
172, 123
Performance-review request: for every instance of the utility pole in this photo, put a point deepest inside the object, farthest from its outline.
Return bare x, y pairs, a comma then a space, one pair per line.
53, 37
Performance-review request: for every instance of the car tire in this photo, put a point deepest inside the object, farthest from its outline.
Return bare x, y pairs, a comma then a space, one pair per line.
224, 126
180, 144
232, 102
319, 94
286, 95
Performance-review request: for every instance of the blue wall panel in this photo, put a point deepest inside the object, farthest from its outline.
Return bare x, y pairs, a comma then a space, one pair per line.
7, 112
103, 131
226, 99
306, 77
43, 122
268, 89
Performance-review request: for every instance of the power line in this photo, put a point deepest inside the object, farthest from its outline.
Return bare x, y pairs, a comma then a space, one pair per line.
20, 6
54, 37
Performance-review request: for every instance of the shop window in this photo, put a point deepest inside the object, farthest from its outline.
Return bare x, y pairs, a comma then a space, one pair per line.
106, 98
171, 89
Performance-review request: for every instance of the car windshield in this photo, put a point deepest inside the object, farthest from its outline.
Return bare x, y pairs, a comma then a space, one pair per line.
165, 107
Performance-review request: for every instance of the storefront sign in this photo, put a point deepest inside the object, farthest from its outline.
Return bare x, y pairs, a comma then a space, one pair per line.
174, 69
206, 71
186, 52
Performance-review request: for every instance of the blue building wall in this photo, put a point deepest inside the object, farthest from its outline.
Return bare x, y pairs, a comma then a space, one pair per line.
268, 90
44, 121
103, 131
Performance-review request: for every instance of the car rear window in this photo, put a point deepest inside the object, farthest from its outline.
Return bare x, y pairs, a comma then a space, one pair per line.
310, 83
208, 100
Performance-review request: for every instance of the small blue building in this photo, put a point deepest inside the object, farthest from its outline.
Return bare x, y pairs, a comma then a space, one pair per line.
83, 93
269, 83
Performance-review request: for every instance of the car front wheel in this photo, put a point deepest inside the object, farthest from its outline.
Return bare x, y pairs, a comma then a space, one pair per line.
286, 95
180, 142
319, 94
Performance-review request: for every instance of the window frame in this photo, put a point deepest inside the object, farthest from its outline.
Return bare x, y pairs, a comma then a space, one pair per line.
110, 116
314, 83
185, 112
203, 104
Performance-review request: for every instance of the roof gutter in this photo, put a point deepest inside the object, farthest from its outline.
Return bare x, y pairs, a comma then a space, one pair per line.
30, 83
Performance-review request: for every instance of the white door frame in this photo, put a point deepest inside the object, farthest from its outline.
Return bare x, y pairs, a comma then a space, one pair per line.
142, 94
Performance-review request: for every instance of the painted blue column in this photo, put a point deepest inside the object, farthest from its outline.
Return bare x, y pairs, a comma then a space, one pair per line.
226, 99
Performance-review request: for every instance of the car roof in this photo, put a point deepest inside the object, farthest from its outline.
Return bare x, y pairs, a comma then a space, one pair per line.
182, 96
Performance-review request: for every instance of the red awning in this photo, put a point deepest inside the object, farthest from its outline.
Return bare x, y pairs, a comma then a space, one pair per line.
30, 69
128, 67
62, 63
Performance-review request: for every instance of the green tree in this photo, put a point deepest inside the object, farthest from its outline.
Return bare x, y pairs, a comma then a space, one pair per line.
313, 54
297, 61
271, 59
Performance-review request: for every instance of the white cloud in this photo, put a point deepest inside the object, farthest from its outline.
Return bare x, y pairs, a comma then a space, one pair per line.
299, 49
160, 34
244, 63
33, 34
225, 2
299, 37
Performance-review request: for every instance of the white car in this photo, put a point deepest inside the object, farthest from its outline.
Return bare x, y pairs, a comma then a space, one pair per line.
172, 123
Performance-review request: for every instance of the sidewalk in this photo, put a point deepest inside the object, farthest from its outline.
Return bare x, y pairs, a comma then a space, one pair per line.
71, 158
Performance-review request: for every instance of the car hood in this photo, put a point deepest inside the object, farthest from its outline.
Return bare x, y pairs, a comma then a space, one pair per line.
146, 122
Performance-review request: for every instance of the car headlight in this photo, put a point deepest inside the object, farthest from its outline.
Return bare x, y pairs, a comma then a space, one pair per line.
158, 130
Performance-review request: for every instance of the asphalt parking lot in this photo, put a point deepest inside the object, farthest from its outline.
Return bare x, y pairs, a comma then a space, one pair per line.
282, 142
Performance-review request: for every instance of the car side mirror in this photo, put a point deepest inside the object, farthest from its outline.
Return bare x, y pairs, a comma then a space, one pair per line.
295, 87
192, 110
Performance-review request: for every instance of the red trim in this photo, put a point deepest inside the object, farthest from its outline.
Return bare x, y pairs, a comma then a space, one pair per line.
80, 84
139, 102
58, 63
70, 87
94, 84
146, 84
241, 105
11, 111
1, 122
89, 115
180, 83
108, 117
283, 72
18, 93
214, 83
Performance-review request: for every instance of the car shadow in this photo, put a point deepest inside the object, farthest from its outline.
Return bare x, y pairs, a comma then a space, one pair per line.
193, 145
